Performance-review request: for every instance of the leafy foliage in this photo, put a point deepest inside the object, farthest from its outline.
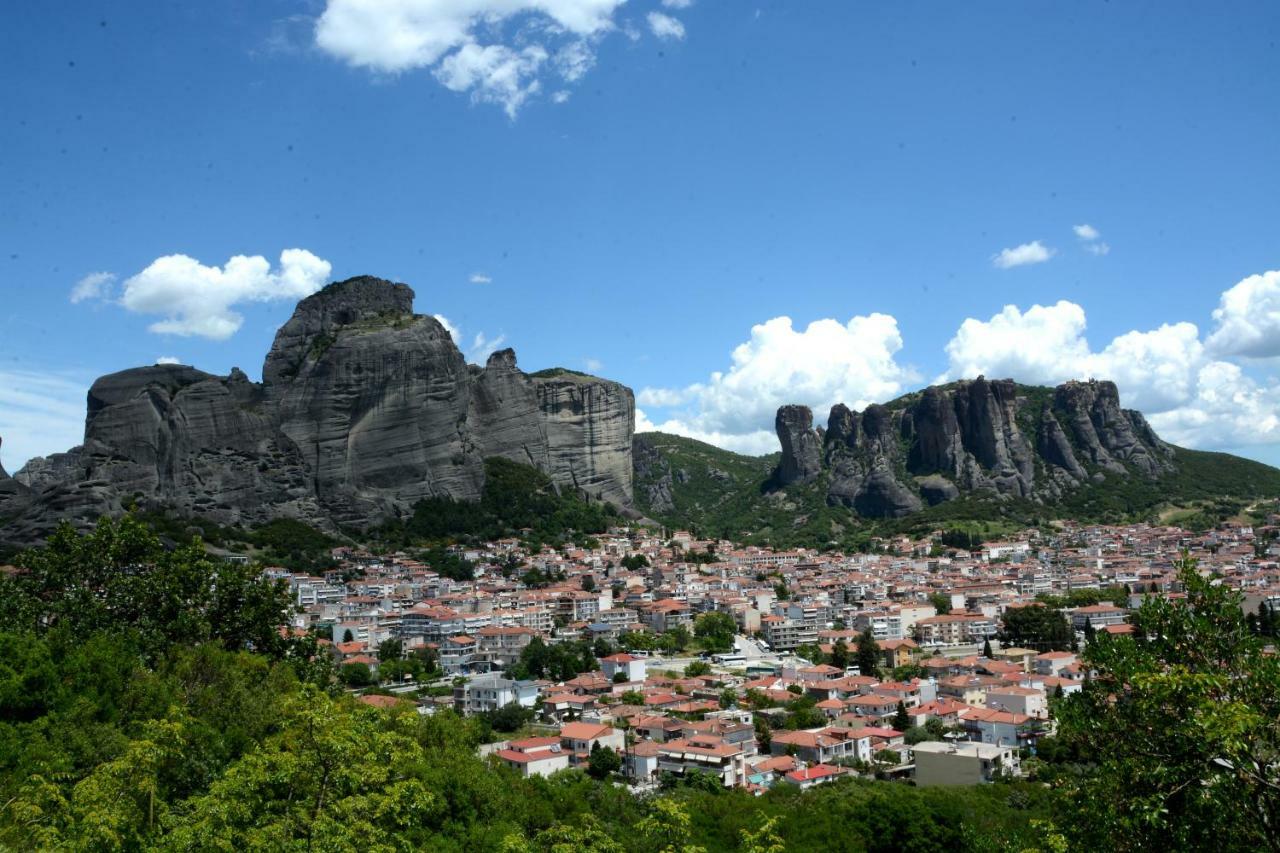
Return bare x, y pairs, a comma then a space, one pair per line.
1181, 721
516, 498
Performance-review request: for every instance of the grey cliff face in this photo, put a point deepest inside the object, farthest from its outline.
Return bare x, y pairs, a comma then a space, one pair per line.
971, 436
364, 409
589, 424
801, 449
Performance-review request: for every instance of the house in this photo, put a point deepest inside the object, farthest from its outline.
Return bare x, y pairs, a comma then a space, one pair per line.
535, 756
1053, 663
898, 653
1019, 700
632, 668
818, 774
457, 653
1098, 616
706, 754
813, 747
492, 691
962, 762
579, 739
640, 761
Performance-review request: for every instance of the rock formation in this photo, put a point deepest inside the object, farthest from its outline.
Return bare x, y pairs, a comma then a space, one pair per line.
364, 409
801, 446
993, 437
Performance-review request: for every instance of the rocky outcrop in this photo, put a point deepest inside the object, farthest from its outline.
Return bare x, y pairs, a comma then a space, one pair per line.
589, 423
992, 437
654, 483
41, 472
801, 447
364, 409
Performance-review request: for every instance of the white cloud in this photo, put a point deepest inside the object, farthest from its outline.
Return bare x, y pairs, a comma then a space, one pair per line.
1091, 238
593, 365
395, 36
828, 362
482, 346
198, 300
168, 359
1248, 318
479, 278
1034, 252
677, 4
1166, 373
665, 26
96, 285
560, 97
40, 413
494, 74
479, 347
754, 443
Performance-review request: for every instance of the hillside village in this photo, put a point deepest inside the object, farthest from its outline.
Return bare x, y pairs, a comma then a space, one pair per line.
671, 660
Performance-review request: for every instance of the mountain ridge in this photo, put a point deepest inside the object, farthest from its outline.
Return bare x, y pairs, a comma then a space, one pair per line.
871, 473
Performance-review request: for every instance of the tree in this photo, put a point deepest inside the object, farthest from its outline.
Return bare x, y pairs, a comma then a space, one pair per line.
765, 838
1036, 626
986, 649
728, 698
667, 828
509, 718
840, 654
588, 583
868, 654
697, 668
337, 775
901, 721
716, 630
356, 674
603, 762
347, 636
632, 697
1180, 719
941, 603
389, 650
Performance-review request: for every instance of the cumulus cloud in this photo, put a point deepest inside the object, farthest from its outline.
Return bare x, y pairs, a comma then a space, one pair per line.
40, 413
1034, 252
168, 359
499, 51
198, 300
1086, 232
479, 278
1248, 318
827, 362
665, 26
677, 4
1167, 373
96, 285
593, 365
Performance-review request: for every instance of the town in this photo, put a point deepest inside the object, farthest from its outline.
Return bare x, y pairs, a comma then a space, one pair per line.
665, 660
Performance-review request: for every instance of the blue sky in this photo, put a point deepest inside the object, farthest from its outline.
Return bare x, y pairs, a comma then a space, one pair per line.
644, 188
